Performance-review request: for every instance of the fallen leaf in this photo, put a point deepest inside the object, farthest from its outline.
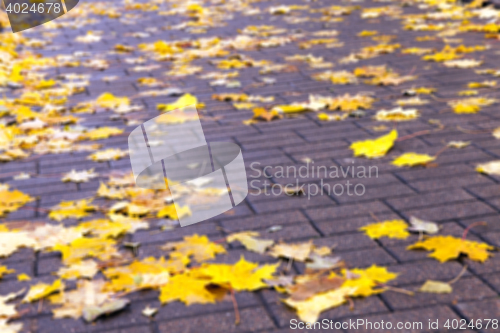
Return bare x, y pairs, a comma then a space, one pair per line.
448, 247
436, 287
42, 290
79, 176
310, 309
490, 168
298, 252
149, 311
392, 229
200, 247
302, 291
375, 148
413, 159
418, 225
249, 240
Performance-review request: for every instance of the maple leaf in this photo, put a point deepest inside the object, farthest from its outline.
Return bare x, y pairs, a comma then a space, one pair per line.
8, 310
448, 247
249, 240
102, 133
484, 84
365, 281
464, 63
436, 287
189, 288
418, 225
197, 246
118, 225
412, 159
397, 114
181, 103
71, 209
110, 193
85, 269
42, 290
11, 201
310, 309
108, 155
147, 273
10, 328
5, 270
88, 300
241, 276
299, 252
375, 148
490, 168
171, 212
10, 242
81, 248
79, 176
391, 229
109, 101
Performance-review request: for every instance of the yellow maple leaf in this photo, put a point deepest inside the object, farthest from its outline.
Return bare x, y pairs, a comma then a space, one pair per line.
413, 159
200, 247
71, 209
4, 270
103, 133
10, 201
448, 247
104, 228
110, 101
375, 148
241, 276
366, 281
188, 288
397, 114
147, 273
109, 192
391, 229
182, 102
108, 155
23, 277
42, 290
310, 309
81, 248
171, 212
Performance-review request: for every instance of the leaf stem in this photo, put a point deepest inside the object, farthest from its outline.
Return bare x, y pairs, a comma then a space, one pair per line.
466, 231
235, 305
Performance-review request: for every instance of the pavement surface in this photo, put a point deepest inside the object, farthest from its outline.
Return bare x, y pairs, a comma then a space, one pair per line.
449, 192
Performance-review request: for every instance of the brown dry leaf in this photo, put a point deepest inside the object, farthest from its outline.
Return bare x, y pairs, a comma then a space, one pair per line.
317, 285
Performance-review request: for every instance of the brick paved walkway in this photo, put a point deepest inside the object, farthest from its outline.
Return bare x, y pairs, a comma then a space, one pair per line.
451, 193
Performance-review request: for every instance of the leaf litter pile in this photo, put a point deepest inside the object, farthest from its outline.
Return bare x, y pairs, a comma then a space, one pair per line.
100, 269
